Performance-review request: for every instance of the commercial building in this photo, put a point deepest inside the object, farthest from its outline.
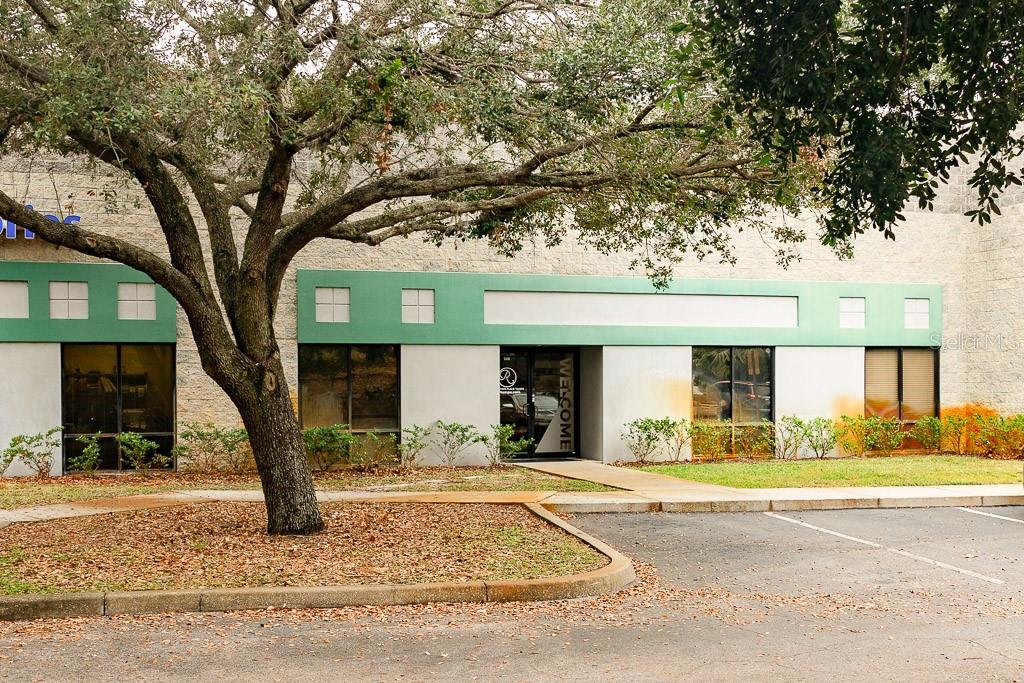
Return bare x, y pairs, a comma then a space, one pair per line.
565, 343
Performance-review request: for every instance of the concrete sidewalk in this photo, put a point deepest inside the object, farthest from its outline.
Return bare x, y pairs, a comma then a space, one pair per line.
625, 478
646, 491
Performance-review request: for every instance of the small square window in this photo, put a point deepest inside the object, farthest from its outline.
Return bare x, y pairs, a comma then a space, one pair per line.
332, 304
851, 312
69, 300
136, 301
916, 314
418, 306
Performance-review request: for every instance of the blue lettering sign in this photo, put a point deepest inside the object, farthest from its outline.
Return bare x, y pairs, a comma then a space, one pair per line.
10, 228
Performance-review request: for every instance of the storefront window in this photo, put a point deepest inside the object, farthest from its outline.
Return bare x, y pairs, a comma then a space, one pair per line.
712, 383
732, 384
900, 383
323, 385
374, 388
114, 388
337, 381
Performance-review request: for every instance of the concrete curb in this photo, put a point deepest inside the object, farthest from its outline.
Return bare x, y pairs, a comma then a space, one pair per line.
782, 504
614, 576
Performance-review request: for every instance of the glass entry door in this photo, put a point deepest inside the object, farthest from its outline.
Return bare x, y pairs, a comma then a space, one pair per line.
537, 388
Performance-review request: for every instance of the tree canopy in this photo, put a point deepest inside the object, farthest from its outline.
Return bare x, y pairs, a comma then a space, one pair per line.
890, 96
254, 127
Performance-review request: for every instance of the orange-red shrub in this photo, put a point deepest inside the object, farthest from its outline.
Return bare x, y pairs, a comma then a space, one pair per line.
965, 440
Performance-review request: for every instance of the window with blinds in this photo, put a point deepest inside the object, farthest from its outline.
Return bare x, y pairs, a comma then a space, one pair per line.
900, 383
882, 382
918, 379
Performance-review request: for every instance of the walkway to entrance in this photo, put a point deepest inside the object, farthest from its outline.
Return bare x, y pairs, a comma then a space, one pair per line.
623, 477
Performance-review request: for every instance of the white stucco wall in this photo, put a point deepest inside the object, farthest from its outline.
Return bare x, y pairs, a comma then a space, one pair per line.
454, 384
819, 381
591, 402
642, 381
30, 400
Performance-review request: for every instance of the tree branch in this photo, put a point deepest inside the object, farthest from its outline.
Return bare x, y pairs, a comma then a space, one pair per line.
102, 246
366, 231
202, 31
45, 14
214, 205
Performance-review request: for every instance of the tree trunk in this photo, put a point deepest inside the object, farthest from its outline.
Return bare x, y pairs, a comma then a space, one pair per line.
277, 446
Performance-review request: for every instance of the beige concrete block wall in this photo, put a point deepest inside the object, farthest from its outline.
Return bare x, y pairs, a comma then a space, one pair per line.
969, 263
990, 347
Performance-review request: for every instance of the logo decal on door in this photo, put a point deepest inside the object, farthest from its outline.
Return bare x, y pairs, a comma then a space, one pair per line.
507, 377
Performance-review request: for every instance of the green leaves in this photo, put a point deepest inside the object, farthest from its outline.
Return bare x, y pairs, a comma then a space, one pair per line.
140, 453
886, 97
36, 451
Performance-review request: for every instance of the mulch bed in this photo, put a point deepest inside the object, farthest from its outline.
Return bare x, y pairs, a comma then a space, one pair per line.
18, 492
218, 544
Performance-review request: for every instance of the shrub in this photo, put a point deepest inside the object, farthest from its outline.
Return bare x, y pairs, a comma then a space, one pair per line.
710, 440
883, 434
954, 433
789, 437
35, 450
414, 439
755, 440
928, 431
1001, 437
372, 451
209, 448
89, 459
851, 434
644, 436
501, 445
140, 453
328, 445
676, 438
819, 434
453, 438
971, 416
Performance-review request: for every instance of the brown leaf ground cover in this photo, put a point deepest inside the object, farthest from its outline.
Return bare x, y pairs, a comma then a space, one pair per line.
211, 545
25, 492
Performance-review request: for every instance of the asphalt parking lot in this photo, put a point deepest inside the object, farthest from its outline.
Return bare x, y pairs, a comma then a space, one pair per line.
882, 595
978, 550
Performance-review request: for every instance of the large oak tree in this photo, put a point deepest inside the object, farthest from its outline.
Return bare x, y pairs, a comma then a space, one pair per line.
502, 119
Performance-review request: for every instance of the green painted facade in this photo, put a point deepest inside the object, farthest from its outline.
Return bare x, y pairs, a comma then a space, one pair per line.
102, 324
376, 311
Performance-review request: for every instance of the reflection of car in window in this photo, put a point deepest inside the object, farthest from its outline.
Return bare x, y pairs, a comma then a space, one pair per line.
753, 401
713, 400
514, 407
545, 407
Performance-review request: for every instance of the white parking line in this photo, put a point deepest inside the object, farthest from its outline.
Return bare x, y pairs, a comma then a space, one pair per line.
990, 514
897, 551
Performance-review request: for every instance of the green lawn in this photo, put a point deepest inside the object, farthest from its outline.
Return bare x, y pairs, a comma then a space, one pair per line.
896, 471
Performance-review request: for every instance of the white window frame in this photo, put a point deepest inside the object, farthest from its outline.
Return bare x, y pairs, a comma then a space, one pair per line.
333, 304
418, 306
69, 300
916, 313
136, 301
852, 312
